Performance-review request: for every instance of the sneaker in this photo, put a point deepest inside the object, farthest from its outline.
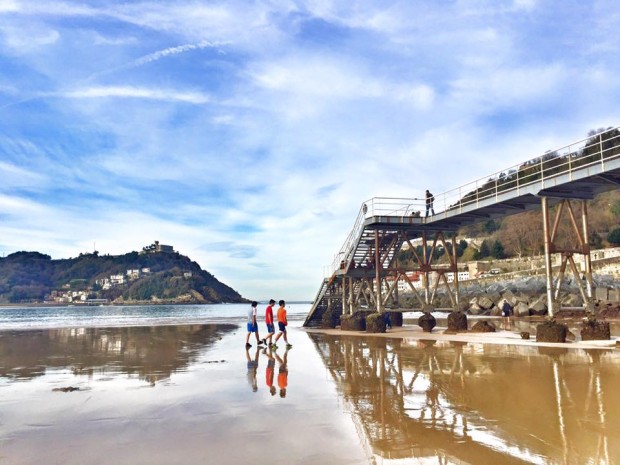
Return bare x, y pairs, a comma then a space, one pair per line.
273, 346
248, 345
288, 346
262, 341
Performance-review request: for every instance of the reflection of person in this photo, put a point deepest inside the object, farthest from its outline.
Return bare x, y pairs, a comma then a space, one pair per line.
282, 324
269, 371
429, 202
269, 322
252, 369
252, 326
283, 373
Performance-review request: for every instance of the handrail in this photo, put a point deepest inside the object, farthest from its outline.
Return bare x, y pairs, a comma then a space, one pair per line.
575, 158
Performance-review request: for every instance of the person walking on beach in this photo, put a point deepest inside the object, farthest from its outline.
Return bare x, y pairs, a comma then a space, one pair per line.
430, 198
252, 326
282, 324
283, 373
269, 322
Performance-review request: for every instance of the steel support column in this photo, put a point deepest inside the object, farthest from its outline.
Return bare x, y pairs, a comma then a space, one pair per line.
378, 266
548, 251
587, 259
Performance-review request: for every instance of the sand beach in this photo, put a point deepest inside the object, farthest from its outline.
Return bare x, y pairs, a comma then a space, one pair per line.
189, 394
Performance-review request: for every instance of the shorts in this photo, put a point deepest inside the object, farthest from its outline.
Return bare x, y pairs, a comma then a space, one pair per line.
281, 326
252, 327
270, 328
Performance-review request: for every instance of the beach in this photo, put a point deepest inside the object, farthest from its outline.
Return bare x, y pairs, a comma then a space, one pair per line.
192, 393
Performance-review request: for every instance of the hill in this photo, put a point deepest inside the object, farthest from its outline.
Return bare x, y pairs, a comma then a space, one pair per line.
149, 276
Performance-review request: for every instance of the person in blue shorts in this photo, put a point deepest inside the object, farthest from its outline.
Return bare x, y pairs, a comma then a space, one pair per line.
252, 326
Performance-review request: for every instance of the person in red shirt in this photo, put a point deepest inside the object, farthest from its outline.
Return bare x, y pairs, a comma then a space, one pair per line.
269, 322
282, 324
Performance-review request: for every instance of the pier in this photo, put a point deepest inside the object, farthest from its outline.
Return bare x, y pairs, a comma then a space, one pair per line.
366, 271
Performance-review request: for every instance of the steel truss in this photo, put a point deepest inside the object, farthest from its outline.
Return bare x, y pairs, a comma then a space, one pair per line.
552, 246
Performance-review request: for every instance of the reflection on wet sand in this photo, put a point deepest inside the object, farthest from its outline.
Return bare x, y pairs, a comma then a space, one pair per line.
150, 353
467, 403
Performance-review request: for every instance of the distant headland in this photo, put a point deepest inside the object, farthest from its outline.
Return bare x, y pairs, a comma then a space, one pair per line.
155, 275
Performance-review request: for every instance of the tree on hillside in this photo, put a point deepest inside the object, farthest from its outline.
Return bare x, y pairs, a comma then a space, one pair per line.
522, 234
614, 237
497, 250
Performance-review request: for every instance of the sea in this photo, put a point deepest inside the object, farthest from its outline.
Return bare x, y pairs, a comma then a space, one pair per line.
77, 316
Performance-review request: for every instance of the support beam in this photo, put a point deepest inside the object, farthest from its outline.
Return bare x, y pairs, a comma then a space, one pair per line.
547, 238
378, 267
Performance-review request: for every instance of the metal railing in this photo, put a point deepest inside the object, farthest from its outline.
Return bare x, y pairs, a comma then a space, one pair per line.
576, 160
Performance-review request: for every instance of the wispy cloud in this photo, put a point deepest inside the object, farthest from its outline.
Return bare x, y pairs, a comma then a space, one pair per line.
139, 93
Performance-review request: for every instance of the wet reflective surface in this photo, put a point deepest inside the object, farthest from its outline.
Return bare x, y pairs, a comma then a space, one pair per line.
193, 394
461, 403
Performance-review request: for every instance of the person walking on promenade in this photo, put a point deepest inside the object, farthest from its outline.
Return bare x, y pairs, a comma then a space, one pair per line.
430, 198
252, 326
282, 324
269, 322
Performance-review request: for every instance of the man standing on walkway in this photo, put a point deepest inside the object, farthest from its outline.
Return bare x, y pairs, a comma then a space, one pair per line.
429, 202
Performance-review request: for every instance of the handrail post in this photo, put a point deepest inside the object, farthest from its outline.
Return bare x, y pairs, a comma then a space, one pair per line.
600, 139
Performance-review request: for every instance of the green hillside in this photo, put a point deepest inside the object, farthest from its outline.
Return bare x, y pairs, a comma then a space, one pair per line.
31, 277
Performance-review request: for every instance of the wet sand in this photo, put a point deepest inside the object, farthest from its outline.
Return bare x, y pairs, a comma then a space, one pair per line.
193, 394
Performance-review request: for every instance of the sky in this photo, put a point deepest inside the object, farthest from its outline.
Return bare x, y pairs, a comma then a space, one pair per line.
247, 134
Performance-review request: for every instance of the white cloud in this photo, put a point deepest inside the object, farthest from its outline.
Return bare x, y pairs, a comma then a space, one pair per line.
28, 39
8, 6
197, 98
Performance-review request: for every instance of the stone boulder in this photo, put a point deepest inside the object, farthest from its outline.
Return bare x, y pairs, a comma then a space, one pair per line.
375, 323
508, 296
396, 319
331, 318
484, 302
355, 322
475, 309
521, 309
427, 322
572, 300
551, 331
457, 322
538, 307
482, 327
496, 311
592, 330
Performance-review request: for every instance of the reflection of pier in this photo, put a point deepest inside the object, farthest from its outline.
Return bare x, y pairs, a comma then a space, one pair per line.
476, 404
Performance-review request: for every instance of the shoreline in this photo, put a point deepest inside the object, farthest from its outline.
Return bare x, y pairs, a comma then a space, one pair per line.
501, 337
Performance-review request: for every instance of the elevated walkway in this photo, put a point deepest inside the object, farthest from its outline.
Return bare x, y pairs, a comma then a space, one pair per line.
365, 271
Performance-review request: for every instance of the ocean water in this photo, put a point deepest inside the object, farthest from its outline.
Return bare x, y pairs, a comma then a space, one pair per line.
20, 318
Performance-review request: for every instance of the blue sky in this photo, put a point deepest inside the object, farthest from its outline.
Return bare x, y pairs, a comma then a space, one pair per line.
248, 134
